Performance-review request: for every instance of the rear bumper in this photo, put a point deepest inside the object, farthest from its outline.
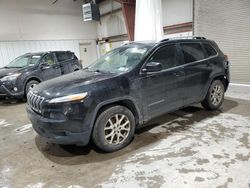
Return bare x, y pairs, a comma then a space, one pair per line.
57, 131
5, 92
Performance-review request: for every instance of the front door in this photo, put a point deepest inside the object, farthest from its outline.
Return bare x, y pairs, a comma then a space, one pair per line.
162, 91
49, 67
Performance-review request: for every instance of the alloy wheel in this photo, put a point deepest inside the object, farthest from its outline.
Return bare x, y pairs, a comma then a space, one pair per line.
117, 129
216, 95
32, 86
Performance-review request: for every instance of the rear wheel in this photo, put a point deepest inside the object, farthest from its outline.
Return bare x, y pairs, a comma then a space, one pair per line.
114, 129
30, 85
215, 96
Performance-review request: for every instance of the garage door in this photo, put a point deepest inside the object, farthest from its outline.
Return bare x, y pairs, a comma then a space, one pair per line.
228, 23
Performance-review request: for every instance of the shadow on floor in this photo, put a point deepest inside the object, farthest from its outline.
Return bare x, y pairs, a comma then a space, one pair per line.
10, 102
181, 119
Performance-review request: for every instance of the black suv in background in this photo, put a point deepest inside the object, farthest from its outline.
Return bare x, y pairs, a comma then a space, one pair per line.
126, 88
26, 71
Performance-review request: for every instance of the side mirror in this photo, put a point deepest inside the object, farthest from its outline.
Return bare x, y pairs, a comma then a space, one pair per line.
152, 67
44, 65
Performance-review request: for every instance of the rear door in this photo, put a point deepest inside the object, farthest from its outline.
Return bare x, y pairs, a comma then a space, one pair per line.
162, 91
66, 61
49, 68
197, 71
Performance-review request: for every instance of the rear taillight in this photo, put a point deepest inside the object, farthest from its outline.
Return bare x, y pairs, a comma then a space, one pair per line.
226, 57
226, 62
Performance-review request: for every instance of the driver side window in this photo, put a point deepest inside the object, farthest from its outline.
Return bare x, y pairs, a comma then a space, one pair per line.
167, 56
49, 59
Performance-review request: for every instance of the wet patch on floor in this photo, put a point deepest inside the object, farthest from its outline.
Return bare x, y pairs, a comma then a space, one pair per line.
208, 154
23, 129
3, 123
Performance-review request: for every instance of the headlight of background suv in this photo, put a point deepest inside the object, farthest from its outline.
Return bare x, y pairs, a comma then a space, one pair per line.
10, 77
69, 98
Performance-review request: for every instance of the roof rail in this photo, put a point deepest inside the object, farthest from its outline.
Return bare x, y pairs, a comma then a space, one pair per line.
184, 37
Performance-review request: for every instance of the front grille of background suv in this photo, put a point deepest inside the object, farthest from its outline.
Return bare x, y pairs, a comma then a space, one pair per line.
35, 101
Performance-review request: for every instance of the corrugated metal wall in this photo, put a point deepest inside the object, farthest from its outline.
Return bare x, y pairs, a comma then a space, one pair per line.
9, 50
228, 23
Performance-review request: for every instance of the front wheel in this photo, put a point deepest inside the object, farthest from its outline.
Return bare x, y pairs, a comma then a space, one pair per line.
215, 96
114, 129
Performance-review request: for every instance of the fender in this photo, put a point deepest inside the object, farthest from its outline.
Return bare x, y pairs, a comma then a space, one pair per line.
210, 82
112, 101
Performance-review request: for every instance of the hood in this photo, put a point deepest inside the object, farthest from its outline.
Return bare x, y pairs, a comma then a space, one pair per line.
7, 71
77, 82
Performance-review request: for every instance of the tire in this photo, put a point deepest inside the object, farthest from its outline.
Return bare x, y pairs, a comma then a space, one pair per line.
215, 96
30, 85
123, 132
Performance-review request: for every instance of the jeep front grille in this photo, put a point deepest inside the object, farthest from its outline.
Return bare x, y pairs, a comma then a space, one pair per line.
35, 101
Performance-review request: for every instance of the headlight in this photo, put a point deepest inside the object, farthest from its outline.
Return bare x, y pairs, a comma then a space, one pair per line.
10, 77
69, 98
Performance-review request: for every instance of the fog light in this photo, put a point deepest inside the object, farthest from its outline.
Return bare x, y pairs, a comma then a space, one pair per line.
15, 89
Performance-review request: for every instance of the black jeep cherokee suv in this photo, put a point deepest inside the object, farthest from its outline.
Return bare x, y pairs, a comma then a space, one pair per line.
126, 88
26, 71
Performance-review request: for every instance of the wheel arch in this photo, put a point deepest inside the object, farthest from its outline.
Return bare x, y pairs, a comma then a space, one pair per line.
223, 78
28, 80
126, 102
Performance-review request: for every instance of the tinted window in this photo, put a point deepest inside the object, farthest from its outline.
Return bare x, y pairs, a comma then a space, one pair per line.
210, 50
192, 52
64, 56
167, 56
49, 59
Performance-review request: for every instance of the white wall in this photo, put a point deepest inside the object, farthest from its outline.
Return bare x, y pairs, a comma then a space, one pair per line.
173, 12
37, 25
12, 49
177, 11
108, 5
112, 24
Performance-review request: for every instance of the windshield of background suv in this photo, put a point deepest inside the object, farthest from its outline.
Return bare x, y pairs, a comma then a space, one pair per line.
120, 59
24, 61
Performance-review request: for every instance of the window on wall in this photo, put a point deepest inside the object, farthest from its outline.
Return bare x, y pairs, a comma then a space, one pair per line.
210, 50
167, 56
192, 52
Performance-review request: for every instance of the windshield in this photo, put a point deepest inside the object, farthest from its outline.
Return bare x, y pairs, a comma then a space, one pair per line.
120, 59
24, 61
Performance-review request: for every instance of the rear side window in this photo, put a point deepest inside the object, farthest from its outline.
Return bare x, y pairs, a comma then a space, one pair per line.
210, 50
64, 56
167, 56
192, 52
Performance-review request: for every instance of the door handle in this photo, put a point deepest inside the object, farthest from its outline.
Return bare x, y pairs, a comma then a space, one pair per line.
209, 64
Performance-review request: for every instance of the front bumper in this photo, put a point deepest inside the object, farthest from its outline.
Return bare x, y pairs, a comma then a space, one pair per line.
5, 92
57, 131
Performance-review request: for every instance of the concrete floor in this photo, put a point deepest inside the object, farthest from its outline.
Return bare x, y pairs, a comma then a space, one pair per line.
191, 147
